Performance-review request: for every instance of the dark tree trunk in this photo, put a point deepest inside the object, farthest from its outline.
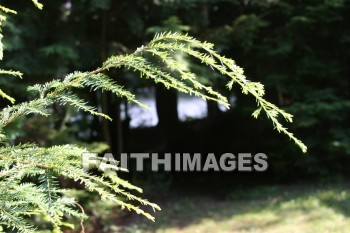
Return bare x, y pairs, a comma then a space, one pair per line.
213, 109
104, 99
115, 127
166, 103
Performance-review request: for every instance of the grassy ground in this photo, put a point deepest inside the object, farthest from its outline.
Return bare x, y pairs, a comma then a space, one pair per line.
272, 209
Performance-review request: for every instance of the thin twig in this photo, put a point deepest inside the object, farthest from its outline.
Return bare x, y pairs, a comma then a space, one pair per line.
82, 219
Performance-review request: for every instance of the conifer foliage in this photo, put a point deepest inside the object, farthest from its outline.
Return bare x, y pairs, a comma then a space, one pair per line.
29, 173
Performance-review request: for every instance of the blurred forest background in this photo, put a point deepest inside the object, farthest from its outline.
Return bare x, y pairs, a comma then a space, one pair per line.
300, 50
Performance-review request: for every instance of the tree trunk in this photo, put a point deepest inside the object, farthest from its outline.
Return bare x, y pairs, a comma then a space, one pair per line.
115, 127
213, 109
166, 103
